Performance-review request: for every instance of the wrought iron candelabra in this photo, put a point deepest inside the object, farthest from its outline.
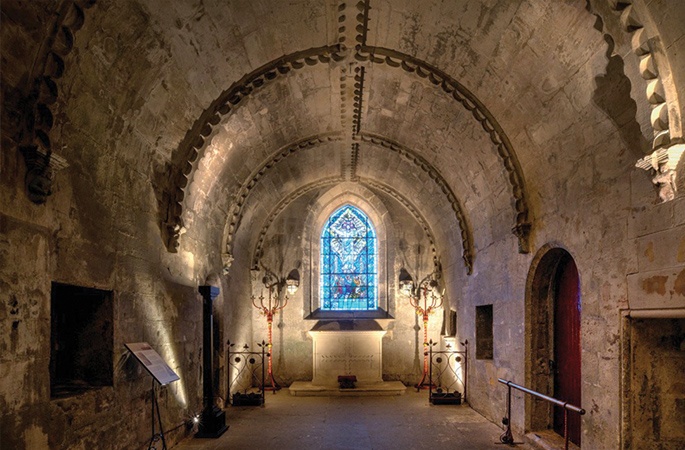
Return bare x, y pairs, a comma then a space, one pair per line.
425, 298
276, 302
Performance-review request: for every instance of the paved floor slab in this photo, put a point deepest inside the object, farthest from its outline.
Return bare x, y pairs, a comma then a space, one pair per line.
341, 423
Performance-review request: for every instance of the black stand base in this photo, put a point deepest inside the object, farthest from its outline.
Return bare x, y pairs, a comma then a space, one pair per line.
156, 437
212, 423
445, 398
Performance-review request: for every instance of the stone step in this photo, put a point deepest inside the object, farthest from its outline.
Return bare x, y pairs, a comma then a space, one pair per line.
306, 388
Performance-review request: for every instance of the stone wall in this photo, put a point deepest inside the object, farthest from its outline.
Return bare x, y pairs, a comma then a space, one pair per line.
654, 382
187, 136
99, 229
292, 242
81, 243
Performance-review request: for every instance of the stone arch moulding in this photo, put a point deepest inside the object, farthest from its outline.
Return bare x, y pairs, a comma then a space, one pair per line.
283, 204
37, 118
395, 59
668, 149
184, 159
467, 255
236, 210
434, 174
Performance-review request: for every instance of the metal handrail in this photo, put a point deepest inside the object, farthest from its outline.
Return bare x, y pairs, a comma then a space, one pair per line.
507, 437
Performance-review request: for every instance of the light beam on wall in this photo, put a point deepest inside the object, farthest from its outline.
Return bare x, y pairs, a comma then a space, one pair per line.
155, 315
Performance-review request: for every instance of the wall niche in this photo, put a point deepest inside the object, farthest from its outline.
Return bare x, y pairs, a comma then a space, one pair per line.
81, 339
484, 334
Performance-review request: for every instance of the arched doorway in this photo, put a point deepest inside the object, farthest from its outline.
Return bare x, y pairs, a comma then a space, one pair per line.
553, 349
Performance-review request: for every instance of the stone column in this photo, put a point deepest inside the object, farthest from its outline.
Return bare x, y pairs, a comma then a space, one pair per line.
213, 422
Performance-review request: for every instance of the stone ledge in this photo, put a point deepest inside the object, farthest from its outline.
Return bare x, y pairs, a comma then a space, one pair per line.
547, 440
306, 388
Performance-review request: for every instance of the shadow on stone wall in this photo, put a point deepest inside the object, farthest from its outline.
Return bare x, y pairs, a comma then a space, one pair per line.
612, 95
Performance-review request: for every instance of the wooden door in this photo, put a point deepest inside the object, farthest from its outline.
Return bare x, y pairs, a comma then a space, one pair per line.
567, 347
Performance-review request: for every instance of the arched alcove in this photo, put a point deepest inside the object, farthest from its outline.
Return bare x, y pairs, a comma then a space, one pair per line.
553, 365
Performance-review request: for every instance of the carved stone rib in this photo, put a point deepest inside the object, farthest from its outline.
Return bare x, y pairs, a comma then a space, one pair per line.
284, 203
281, 206
191, 149
407, 63
415, 158
33, 133
237, 206
416, 214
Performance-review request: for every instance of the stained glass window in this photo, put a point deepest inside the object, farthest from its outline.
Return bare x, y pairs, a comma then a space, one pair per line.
348, 261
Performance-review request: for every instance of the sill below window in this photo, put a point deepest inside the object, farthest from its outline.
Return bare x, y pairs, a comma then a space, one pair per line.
349, 315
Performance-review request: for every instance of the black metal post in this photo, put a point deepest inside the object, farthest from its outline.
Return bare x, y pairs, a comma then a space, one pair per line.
227, 354
466, 366
152, 416
213, 421
507, 437
566, 429
156, 436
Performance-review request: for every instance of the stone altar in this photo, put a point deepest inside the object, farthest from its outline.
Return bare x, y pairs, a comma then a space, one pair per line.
347, 348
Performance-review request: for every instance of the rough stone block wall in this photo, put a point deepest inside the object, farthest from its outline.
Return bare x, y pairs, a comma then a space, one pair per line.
146, 308
286, 247
657, 392
98, 229
468, 116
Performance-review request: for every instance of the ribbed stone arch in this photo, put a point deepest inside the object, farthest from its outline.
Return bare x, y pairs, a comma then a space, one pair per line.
467, 254
279, 208
666, 162
38, 113
414, 157
185, 157
237, 208
505, 150
285, 202
662, 100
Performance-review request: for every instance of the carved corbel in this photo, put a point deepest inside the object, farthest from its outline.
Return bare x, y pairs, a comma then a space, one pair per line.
41, 168
522, 231
226, 262
174, 231
662, 165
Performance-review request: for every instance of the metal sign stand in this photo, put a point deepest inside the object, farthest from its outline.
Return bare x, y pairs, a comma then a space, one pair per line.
160, 435
161, 373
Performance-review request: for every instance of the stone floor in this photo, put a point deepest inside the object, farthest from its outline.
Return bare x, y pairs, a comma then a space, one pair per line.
392, 422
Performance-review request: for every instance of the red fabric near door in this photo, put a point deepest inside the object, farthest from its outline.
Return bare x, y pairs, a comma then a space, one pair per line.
567, 386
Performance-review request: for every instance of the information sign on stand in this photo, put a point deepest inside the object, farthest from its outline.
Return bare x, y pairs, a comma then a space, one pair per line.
162, 374
154, 363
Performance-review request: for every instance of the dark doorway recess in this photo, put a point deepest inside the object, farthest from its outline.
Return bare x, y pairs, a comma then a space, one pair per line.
553, 356
81, 339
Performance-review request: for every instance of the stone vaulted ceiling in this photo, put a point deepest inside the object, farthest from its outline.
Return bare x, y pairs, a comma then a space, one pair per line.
244, 106
346, 103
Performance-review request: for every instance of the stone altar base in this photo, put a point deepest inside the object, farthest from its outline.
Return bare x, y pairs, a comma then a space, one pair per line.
347, 348
306, 388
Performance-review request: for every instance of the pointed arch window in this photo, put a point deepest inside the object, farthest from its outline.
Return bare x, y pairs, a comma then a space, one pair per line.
349, 275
